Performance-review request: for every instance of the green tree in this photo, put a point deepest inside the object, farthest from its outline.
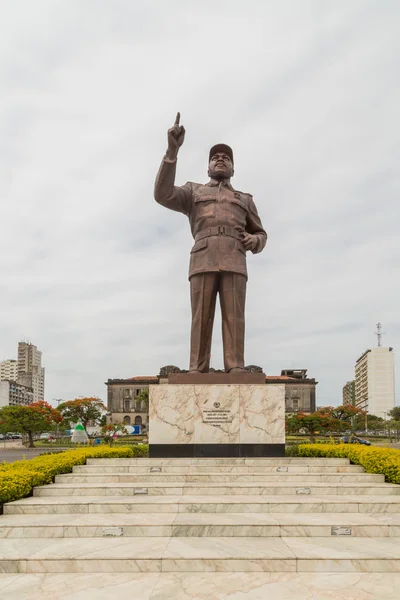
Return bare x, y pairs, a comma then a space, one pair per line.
328, 419
395, 413
83, 410
37, 417
110, 431
142, 399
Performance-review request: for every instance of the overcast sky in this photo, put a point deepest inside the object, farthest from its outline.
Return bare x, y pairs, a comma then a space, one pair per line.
94, 272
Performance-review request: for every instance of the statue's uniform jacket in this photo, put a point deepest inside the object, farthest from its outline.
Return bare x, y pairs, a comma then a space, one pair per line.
218, 216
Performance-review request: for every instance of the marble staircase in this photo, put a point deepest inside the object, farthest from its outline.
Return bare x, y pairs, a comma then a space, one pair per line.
183, 516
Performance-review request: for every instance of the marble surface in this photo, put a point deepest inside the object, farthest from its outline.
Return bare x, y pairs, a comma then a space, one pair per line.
177, 414
199, 525
199, 554
202, 586
209, 504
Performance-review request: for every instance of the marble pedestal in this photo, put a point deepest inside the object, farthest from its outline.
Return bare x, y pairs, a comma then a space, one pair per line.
216, 420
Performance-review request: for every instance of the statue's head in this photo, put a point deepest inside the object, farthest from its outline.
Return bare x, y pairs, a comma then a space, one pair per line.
220, 164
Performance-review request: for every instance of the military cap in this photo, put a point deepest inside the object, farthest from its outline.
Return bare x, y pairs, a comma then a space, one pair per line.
221, 148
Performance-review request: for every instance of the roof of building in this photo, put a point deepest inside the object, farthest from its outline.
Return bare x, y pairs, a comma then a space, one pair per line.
138, 379
268, 379
286, 378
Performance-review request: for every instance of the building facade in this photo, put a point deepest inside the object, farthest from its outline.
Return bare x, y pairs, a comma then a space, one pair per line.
300, 390
349, 393
14, 394
374, 382
30, 371
124, 405
9, 370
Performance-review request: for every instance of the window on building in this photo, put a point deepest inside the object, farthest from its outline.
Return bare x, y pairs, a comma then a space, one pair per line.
127, 406
295, 405
137, 391
127, 420
138, 420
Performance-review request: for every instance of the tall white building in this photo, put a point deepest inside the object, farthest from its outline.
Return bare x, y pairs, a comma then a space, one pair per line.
30, 370
9, 370
14, 394
374, 376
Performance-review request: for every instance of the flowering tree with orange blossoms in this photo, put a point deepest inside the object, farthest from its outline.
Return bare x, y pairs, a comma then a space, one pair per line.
326, 419
83, 410
36, 417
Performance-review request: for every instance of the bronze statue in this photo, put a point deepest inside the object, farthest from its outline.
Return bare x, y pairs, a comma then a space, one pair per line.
225, 224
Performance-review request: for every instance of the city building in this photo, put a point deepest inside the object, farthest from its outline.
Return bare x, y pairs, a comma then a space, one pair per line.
9, 370
14, 394
300, 390
30, 370
349, 393
124, 404
374, 382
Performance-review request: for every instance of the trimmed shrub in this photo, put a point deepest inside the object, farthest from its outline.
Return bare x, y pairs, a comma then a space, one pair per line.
385, 461
17, 479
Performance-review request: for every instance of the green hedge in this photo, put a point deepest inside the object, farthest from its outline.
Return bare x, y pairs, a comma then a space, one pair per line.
385, 461
17, 479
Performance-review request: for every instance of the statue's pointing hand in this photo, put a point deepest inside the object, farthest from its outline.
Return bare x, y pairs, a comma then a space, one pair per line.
176, 135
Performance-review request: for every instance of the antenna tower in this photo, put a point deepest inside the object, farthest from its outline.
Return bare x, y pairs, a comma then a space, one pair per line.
379, 333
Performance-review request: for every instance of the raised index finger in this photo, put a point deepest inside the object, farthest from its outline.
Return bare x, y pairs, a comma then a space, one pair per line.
178, 117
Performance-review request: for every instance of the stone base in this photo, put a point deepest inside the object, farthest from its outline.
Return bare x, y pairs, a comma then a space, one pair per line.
220, 420
215, 450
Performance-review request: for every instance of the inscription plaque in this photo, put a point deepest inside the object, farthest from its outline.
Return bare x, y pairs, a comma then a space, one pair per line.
217, 416
303, 491
140, 491
155, 469
341, 531
113, 531
282, 469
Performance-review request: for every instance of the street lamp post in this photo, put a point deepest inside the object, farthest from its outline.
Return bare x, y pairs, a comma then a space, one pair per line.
58, 400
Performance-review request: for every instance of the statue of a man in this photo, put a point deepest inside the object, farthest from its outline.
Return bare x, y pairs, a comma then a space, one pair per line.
225, 225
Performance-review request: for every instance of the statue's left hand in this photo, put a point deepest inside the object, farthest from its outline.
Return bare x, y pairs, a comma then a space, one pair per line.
249, 241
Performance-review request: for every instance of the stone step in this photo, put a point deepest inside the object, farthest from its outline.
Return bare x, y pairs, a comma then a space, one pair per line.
213, 586
79, 504
156, 554
145, 488
260, 462
200, 525
195, 469
299, 478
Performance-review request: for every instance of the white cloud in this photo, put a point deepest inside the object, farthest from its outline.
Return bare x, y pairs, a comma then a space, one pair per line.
94, 272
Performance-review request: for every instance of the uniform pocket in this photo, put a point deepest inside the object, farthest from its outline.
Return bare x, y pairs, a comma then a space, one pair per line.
238, 211
200, 245
205, 205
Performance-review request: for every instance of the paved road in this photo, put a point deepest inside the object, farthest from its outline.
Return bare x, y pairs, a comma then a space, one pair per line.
11, 454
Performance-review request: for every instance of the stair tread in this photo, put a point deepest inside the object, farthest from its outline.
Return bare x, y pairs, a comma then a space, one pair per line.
211, 484
237, 519
218, 548
222, 499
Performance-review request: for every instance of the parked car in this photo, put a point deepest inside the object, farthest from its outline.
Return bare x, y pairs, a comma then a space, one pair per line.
16, 436
353, 439
44, 436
